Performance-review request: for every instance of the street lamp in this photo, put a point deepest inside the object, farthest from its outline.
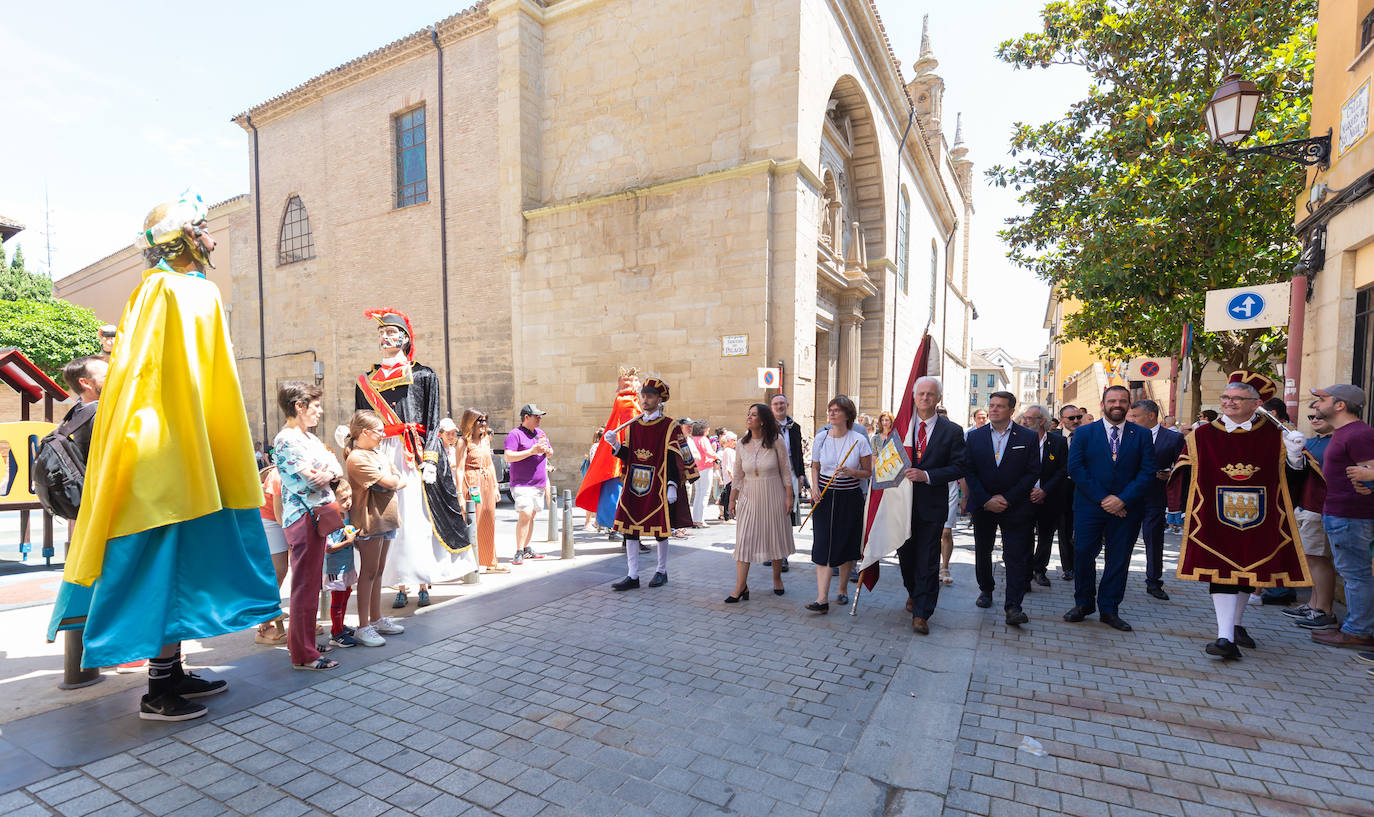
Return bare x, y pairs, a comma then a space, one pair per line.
1230, 116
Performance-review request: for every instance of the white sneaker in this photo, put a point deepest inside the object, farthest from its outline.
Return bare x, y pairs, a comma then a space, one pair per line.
1253, 600
368, 637
387, 626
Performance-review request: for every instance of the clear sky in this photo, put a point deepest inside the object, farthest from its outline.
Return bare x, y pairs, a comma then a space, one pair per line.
87, 79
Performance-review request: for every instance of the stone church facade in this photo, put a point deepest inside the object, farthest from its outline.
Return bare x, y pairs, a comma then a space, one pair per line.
555, 188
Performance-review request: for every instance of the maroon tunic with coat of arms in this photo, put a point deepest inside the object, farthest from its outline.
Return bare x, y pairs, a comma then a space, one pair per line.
1238, 523
655, 453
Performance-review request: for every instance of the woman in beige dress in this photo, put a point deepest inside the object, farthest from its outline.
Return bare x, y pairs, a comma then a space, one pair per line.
761, 494
476, 470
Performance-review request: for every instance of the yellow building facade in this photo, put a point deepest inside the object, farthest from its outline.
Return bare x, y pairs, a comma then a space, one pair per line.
1335, 213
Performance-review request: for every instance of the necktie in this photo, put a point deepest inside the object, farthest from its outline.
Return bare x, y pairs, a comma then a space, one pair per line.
920, 440
1116, 441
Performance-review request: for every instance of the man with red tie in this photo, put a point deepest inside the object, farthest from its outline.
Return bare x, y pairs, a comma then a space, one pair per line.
935, 446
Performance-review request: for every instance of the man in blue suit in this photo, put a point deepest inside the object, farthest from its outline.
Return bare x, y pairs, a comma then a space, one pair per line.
1168, 445
1112, 463
1003, 465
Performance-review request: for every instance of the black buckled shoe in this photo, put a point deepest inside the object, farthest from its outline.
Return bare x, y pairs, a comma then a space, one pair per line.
1243, 638
626, 583
1223, 649
1077, 614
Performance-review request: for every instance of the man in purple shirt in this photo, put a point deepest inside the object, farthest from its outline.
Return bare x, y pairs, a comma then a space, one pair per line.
1348, 514
527, 454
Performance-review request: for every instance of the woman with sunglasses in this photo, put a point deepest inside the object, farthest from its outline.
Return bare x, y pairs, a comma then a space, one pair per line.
476, 475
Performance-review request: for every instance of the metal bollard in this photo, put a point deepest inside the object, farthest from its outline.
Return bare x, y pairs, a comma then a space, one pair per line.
73, 675
568, 552
553, 517
474, 577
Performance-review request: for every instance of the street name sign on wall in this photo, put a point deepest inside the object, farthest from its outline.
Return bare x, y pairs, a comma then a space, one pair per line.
734, 345
1255, 307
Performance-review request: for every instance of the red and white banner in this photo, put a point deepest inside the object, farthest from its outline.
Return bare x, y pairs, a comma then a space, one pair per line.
888, 522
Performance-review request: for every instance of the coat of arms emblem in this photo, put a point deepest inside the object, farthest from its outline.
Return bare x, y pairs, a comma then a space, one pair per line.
641, 479
1240, 508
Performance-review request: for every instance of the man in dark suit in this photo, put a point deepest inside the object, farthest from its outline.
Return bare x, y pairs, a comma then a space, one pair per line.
935, 446
1111, 463
1003, 465
792, 437
1047, 496
1168, 445
1070, 418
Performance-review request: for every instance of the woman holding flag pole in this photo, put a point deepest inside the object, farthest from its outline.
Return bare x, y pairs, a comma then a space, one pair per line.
841, 458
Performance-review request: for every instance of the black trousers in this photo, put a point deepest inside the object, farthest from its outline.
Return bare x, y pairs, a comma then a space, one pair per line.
1048, 517
1152, 531
919, 558
725, 500
1018, 541
1066, 530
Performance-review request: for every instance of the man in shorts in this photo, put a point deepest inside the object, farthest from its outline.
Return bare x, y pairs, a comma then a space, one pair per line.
1316, 614
527, 454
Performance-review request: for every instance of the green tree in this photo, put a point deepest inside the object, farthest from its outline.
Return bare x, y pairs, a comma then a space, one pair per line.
17, 283
1129, 209
50, 332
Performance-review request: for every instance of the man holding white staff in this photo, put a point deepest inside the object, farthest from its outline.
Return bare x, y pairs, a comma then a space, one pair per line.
657, 467
1239, 529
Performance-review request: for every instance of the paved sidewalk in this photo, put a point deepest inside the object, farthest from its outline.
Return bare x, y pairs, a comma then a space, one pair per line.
559, 697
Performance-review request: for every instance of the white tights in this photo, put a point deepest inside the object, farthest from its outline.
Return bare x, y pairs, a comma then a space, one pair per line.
1229, 607
632, 556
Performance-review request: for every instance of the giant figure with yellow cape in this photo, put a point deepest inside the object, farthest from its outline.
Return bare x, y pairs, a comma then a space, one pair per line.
169, 544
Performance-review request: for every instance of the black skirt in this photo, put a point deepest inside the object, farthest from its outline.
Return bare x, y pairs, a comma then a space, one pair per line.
838, 523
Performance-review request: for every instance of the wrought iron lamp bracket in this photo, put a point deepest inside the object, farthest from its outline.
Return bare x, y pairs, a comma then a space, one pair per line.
1307, 152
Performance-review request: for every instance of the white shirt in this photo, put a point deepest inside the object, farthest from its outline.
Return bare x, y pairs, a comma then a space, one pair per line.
930, 429
827, 450
1154, 432
1042, 453
999, 441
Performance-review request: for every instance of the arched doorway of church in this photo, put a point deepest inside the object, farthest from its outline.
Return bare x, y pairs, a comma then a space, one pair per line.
850, 230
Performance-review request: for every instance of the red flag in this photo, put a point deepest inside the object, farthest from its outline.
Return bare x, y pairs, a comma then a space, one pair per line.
889, 512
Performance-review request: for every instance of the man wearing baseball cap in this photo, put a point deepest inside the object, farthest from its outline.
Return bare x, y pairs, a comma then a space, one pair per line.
527, 453
1348, 513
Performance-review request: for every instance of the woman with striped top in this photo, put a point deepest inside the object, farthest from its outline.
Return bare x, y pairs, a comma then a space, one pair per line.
841, 460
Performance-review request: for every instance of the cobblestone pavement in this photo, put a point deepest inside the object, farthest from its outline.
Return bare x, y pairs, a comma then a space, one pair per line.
572, 699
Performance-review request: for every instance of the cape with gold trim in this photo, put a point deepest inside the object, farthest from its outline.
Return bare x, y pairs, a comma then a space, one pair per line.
1238, 523
168, 539
603, 473
655, 453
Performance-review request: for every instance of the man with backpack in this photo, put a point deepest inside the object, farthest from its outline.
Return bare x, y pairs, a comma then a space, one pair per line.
62, 455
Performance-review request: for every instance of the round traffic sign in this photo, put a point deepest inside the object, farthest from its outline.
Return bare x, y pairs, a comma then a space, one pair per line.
1149, 368
768, 379
1245, 305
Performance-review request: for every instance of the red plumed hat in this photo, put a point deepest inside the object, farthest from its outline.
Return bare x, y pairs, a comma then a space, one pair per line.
1266, 387
386, 316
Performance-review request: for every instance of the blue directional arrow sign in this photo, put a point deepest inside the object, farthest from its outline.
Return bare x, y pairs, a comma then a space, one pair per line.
1245, 305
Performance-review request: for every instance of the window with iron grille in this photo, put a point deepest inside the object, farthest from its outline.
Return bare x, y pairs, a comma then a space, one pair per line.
412, 182
297, 243
1367, 30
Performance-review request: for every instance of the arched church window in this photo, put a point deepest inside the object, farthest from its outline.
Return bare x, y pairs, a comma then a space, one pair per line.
903, 239
297, 243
